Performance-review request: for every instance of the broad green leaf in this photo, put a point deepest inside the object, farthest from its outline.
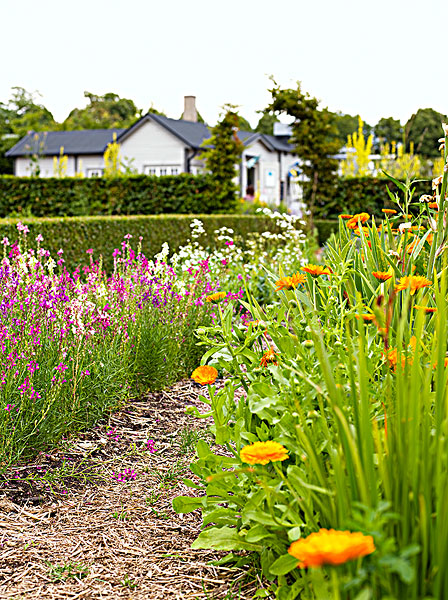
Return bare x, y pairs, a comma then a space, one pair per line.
187, 504
284, 564
223, 538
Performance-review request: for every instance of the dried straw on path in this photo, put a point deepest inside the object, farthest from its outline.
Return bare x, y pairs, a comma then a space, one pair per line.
93, 537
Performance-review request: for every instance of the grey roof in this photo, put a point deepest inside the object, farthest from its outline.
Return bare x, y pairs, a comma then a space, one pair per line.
85, 141
194, 134
94, 141
279, 142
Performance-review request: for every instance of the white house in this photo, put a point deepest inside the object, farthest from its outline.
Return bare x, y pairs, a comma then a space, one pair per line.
156, 145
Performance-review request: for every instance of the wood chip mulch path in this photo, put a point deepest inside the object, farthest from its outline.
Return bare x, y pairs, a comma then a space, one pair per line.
70, 530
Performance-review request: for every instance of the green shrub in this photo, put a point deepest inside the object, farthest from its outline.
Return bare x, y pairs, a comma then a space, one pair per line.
325, 228
104, 234
362, 194
136, 195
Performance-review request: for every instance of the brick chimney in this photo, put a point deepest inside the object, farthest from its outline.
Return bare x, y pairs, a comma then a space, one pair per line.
190, 112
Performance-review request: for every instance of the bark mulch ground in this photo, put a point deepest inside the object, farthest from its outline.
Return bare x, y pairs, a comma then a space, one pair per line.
70, 528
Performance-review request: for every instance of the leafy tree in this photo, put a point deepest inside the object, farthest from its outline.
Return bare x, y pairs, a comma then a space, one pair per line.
314, 136
243, 124
103, 112
266, 122
20, 115
388, 130
424, 129
223, 153
24, 114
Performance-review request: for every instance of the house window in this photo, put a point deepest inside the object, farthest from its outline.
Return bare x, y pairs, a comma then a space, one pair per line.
150, 170
160, 170
94, 172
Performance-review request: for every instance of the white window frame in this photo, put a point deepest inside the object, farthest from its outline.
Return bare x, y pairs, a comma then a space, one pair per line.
150, 170
94, 172
161, 170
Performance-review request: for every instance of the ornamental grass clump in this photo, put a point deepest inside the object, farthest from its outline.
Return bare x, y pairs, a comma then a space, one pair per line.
361, 407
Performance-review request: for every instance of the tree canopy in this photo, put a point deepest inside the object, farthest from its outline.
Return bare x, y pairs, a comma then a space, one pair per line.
424, 128
388, 130
266, 122
223, 152
314, 135
103, 112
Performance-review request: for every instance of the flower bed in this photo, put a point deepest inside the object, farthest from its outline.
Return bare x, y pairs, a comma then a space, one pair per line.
334, 474
74, 345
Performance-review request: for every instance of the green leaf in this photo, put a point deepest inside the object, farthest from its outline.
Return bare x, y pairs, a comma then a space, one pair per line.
284, 564
203, 449
399, 185
220, 516
400, 566
187, 504
192, 484
223, 538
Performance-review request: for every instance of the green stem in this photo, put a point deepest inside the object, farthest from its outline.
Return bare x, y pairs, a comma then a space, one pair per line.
335, 584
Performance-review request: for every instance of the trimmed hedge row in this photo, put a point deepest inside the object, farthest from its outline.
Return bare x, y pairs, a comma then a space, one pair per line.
75, 235
136, 195
362, 194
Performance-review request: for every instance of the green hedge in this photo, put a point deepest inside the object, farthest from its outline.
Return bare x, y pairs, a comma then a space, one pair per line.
136, 195
324, 228
363, 194
77, 234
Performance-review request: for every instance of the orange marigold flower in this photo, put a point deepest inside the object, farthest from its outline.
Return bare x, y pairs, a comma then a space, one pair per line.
346, 216
331, 547
268, 357
204, 374
392, 355
389, 211
316, 270
433, 205
366, 317
290, 282
253, 323
427, 309
430, 238
382, 275
261, 453
353, 223
217, 297
413, 282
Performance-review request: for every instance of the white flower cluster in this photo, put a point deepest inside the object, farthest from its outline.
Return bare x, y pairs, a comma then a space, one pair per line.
265, 249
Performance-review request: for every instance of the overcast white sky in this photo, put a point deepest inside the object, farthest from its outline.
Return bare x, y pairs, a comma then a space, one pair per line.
378, 58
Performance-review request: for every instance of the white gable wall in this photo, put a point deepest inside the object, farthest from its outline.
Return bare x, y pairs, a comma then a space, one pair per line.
23, 166
267, 172
151, 145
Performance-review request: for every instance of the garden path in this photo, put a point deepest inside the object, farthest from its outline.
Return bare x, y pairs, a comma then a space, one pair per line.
76, 532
